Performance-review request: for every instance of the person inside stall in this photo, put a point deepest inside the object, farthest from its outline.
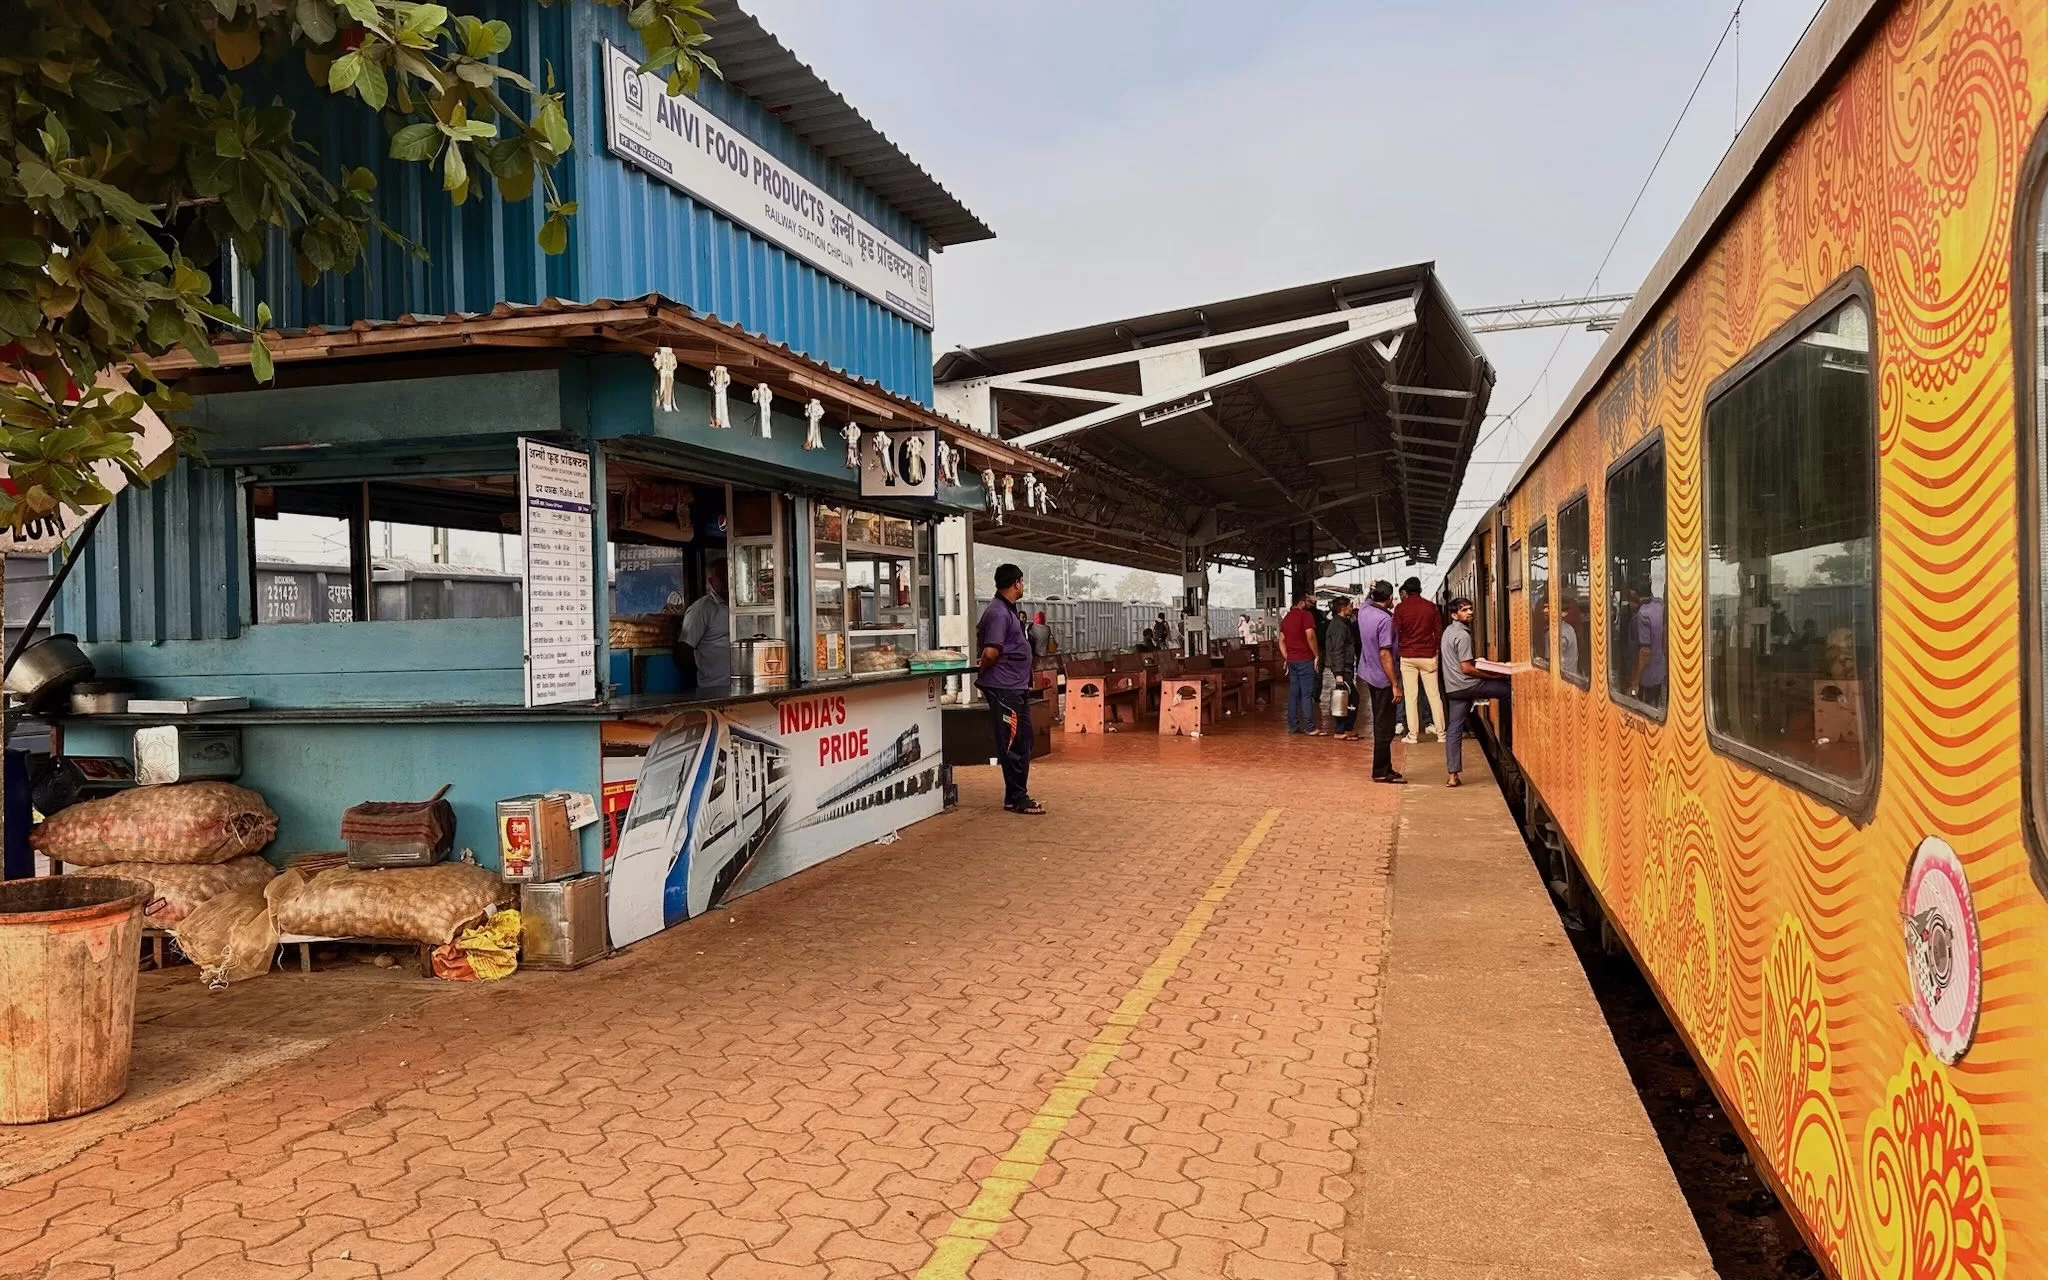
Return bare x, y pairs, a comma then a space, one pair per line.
704, 640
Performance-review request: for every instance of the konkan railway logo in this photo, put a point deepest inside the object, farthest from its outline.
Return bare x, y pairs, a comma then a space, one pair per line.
634, 95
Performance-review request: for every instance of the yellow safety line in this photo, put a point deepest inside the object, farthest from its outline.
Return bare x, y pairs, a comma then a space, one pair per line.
955, 1252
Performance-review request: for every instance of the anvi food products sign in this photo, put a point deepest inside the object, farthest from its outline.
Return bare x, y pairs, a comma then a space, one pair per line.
692, 150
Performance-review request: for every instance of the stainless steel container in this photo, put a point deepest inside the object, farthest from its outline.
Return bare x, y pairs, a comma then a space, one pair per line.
174, 753
535, 842
561, 923
763, 664
48, 667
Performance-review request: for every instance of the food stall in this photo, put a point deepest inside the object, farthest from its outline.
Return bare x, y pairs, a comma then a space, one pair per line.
590, 468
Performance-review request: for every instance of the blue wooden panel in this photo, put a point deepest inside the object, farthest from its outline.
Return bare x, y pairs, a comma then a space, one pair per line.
456, 661
400, 411
309, 773
164, 564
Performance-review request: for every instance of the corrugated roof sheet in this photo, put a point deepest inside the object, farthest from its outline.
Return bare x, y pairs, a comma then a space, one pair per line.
757, 64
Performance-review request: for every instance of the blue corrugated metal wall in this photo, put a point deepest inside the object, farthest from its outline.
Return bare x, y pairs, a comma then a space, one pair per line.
477, 256
640, 235
165, 564
631, 236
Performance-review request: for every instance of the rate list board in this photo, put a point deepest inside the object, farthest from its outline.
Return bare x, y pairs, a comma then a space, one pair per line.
561, 616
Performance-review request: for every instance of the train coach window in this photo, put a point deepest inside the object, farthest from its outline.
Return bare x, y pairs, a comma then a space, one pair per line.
1791, 556
1635, 579
1574, 594
1539, 595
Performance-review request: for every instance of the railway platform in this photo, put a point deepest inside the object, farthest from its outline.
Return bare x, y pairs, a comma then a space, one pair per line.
1228, 1010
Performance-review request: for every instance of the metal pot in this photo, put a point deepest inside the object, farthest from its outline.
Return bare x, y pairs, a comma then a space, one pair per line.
48, 667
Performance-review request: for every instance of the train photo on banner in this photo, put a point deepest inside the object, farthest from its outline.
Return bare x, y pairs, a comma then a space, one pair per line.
1772, 579
710, 793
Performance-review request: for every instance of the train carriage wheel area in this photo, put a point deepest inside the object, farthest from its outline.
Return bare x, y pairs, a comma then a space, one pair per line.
535, 793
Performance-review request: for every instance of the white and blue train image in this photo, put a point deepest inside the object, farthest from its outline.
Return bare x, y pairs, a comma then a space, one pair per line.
711, 792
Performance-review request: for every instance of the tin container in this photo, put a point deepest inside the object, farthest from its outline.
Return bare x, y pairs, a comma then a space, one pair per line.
763, 663
561, 923
535, 843
173, 753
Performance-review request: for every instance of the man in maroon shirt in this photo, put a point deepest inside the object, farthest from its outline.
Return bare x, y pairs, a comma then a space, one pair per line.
1304, 655
1420, 627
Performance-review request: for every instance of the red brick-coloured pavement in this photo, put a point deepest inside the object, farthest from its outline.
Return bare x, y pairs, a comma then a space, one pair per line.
842, 1075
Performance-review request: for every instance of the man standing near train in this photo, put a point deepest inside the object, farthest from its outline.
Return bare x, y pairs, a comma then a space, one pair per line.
1464, 684
1005, 682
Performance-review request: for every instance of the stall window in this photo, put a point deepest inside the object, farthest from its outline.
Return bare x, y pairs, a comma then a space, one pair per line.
417, 549
1635, 579
1539, 595
1574, 594
1791, 534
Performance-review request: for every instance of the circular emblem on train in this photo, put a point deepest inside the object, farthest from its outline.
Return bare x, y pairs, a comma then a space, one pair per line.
1942, 958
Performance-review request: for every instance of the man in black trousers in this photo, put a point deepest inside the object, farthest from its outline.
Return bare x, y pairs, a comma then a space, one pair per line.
1005, 683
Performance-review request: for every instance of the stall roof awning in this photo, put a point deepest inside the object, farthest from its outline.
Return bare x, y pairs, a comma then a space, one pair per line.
754, 62
637, 326
1309, 422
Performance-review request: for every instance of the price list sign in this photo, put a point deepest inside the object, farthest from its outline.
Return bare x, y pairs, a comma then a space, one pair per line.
561, 619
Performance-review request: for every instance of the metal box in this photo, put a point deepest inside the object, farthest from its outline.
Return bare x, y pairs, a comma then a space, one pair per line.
535, 842
562, 923
174, 753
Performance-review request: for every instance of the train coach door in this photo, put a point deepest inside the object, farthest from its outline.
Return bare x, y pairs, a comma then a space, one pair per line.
1504, 711
752, 784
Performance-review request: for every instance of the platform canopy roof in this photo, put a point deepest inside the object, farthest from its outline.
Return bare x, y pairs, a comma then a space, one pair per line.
1307, 423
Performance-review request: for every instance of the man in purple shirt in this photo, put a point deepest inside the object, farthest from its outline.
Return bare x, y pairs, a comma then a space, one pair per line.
1379, 657
1005, 682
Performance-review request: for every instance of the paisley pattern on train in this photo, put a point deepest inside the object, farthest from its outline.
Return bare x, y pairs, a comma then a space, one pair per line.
1777, 923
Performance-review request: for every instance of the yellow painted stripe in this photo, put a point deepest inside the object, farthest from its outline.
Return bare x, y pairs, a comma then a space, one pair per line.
955, 1252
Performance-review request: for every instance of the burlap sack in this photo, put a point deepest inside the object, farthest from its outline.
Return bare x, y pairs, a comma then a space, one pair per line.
230, 936
424, 904
181, 889
192, 822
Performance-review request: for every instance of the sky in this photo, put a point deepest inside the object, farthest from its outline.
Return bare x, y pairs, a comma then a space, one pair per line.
1138, 155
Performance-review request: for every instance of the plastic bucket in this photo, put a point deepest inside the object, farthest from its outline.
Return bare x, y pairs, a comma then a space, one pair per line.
68, 956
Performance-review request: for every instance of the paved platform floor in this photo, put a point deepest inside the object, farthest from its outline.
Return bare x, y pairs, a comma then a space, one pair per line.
1228, 1011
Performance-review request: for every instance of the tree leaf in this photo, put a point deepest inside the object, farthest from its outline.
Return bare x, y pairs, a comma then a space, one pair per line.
316, 19
554, 235
138, 255
237, 47
553, 127
341, 77
226, 141
455, 173
515, 171
416, 142
262, 315
21, 251
259, 359
374, 88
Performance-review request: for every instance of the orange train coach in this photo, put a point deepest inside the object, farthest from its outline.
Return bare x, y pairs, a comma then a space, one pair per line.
1778, 567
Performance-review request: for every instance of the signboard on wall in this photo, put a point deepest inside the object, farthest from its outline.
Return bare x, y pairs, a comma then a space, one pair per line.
721, 802
692, 150
899, 464
560, 573
44, 534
